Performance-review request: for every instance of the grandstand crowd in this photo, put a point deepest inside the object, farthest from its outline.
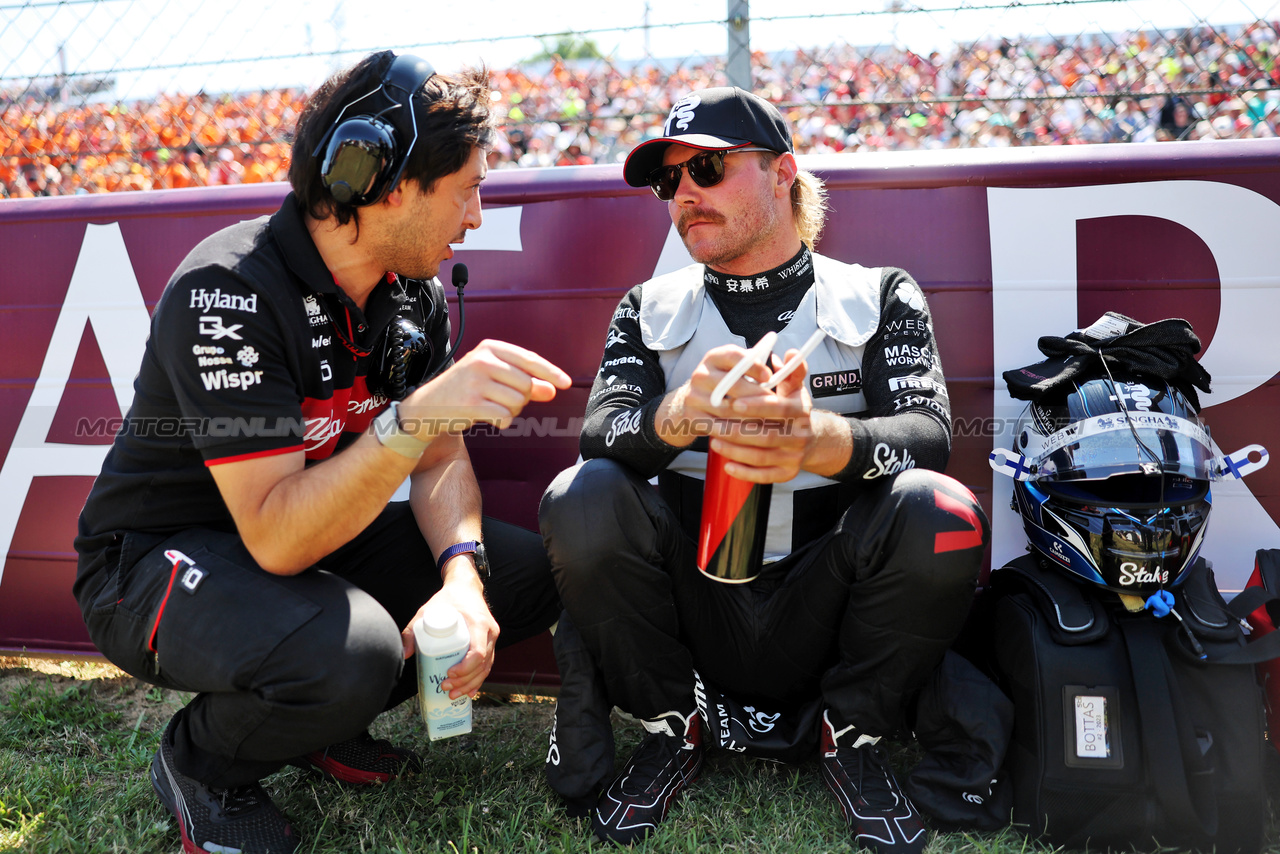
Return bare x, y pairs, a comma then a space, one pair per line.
1143, 86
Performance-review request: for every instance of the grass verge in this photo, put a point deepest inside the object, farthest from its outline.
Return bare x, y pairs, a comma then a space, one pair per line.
76, 740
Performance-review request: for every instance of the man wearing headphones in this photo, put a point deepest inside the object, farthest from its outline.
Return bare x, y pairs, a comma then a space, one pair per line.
239, 543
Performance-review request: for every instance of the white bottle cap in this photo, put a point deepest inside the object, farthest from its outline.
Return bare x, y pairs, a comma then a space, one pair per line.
440, 619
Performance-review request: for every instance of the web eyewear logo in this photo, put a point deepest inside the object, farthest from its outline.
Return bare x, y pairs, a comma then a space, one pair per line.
681, 114
211, 325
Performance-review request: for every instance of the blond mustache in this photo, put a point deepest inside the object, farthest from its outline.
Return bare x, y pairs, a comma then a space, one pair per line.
682, 226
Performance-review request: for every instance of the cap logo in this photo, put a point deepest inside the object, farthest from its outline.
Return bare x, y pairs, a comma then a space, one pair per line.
681, 114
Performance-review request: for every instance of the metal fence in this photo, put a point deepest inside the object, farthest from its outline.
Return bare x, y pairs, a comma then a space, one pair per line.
103, 95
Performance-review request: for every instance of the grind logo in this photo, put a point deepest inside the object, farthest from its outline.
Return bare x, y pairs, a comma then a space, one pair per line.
837, 382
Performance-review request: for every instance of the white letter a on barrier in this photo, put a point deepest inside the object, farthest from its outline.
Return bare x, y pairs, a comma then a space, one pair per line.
104, 292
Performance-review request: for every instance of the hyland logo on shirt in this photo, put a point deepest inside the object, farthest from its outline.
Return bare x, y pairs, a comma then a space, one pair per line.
216, 380
208, 300
837, 382
211, 324
315, 314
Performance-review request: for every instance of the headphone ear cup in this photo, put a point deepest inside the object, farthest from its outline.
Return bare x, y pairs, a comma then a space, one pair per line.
359, 160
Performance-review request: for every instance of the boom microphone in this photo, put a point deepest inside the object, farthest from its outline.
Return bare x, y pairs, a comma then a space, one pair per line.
459, 277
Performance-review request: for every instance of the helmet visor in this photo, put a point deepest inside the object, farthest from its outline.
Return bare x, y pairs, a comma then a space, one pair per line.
1126, 443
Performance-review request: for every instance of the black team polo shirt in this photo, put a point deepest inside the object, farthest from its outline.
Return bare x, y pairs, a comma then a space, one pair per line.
253, 351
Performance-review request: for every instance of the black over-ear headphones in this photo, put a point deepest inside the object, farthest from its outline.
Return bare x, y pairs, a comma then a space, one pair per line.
364, 155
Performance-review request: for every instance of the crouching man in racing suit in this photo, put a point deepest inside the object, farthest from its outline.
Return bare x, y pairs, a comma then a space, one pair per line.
871, 555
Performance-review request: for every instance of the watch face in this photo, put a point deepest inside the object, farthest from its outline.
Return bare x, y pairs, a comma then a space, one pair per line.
482, 561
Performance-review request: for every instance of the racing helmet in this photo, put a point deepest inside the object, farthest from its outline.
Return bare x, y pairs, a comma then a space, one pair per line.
1120, 492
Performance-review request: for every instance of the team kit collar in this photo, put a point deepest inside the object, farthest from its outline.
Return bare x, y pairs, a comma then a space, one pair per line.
796, 271
289, 230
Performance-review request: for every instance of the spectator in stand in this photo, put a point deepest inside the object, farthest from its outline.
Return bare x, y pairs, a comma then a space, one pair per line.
226, 170
1033, 91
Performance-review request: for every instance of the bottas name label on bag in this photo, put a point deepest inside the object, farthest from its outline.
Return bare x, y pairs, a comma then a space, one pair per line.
1091, 727
1091, 718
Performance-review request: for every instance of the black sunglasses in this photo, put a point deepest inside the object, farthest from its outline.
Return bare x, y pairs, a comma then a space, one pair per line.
706, 170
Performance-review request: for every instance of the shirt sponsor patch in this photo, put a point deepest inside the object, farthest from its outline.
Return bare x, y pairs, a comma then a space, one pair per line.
626, 422
908, 355
837, 382
216, 380
886, 461
926, 383
209, 300
315, 314
211, 325
911, 327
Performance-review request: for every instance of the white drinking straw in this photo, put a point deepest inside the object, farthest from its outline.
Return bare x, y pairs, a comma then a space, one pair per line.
755, 356
794, 362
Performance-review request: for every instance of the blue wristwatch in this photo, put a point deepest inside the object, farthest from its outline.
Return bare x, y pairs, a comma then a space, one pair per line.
474, 547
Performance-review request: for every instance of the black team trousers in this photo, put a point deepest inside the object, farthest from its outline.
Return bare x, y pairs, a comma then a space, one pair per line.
860, 615
284, 665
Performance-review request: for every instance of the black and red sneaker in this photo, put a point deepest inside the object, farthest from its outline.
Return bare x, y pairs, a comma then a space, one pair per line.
668, 759
857, 771
211, 818
362, 761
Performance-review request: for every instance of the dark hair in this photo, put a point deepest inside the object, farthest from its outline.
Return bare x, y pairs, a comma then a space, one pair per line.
452, 116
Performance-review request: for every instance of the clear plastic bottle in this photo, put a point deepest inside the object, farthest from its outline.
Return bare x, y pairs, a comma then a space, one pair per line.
443, 640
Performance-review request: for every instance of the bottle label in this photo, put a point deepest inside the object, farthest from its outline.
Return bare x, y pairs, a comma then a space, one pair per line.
443, 716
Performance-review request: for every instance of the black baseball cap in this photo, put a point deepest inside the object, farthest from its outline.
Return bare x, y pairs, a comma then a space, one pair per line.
718, 119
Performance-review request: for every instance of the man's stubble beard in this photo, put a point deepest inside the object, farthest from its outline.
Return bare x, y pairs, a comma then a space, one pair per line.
751, 231
403, 249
